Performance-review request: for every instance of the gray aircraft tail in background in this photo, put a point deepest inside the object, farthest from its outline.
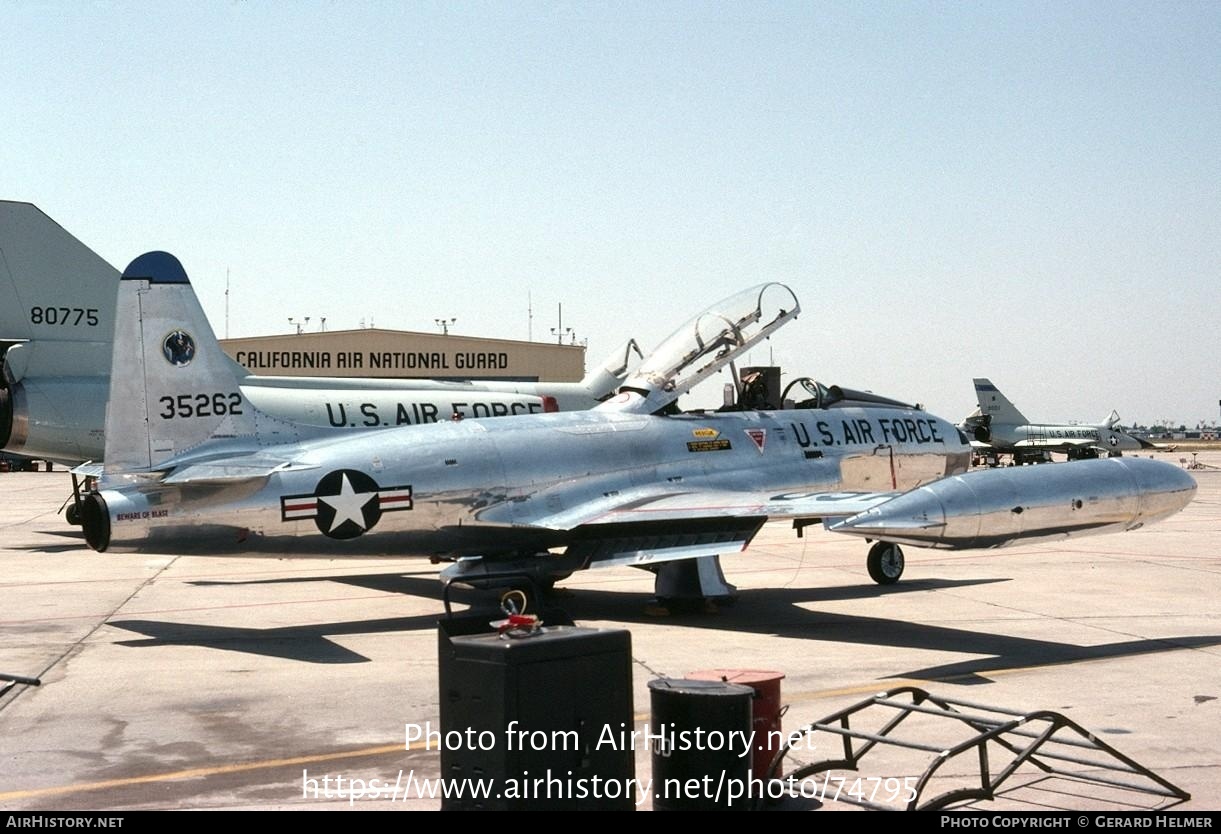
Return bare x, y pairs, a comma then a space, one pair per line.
998, 428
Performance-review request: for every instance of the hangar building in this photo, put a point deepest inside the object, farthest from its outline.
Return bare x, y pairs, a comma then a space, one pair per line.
374, 352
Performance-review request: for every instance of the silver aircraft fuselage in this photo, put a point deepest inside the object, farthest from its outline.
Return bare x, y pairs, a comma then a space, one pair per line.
515, 485
1064, 437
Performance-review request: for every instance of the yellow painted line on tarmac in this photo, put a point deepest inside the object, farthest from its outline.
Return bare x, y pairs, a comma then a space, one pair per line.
879, 687
895, 683
200, 772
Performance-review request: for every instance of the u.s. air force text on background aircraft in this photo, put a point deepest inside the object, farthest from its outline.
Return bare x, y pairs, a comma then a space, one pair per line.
997, 428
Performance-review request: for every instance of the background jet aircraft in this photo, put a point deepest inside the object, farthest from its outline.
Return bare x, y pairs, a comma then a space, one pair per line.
57, 302
192, 464
998, 428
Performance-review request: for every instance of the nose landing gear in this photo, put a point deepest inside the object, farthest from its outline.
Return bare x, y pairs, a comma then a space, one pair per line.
885, 563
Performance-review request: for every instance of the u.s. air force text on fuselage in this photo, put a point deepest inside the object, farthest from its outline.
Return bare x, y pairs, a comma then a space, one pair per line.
917, 430
372, 414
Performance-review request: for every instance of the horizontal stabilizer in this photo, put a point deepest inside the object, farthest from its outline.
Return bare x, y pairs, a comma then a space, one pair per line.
88, 469
232, 469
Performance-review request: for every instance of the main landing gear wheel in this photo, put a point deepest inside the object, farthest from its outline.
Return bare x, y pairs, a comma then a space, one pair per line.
73, 515
885, 563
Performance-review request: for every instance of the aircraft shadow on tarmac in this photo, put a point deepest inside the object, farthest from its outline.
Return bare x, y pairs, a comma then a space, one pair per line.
56, 548
75, 535
398, 582
771, 611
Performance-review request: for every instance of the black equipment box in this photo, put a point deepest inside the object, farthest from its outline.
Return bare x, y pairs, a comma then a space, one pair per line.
522, 718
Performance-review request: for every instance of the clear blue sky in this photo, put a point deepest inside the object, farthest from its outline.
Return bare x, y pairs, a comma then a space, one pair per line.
1025, 191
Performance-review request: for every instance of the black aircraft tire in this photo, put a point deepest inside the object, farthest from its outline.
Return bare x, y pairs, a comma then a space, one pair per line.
73, 515
885, 563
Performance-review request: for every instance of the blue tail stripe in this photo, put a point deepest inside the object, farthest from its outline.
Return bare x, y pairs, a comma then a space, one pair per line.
157, 268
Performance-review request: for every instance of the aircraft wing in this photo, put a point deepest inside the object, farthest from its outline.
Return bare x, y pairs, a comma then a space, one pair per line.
693, 506
650, 506
642, 529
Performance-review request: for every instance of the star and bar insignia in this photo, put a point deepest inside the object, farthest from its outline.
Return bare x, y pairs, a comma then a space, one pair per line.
345, 504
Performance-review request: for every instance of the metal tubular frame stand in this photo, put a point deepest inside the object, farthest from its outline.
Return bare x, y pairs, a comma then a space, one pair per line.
1029, 736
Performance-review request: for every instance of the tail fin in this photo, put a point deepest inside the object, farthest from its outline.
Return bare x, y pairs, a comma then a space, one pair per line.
57, 322
992, 402
172, 388
56, 294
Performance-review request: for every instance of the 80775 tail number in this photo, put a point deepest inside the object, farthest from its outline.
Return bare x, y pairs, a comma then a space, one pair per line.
66, 316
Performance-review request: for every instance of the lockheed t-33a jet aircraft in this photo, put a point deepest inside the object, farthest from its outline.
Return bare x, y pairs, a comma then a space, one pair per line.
998, 428
192, 465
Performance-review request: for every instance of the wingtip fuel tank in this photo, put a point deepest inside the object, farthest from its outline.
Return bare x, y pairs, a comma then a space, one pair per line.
997, 507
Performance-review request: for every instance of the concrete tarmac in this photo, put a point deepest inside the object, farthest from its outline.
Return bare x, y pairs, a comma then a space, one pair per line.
176, 682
